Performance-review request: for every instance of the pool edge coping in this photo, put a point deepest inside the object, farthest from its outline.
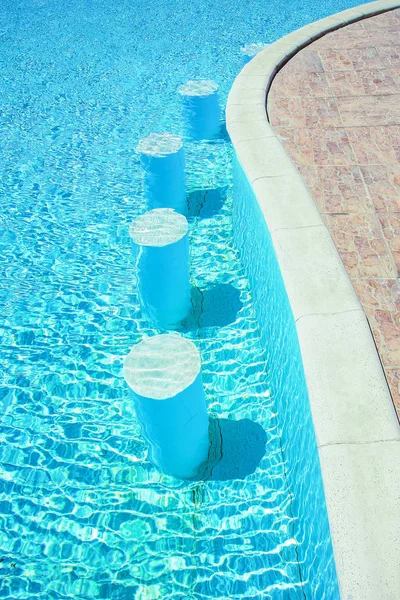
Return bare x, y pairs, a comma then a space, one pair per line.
345, 379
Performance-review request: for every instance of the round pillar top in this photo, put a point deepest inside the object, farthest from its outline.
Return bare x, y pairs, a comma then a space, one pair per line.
198, 87
160, 144
158, 227
162, 366
253, 49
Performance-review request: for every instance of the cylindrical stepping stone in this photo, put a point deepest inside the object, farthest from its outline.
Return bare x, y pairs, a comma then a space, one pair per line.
251, 50
164, 376
201, 109
163, 266
163, 159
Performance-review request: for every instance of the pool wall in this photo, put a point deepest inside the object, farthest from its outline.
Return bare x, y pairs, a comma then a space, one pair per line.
310, 527
298, 278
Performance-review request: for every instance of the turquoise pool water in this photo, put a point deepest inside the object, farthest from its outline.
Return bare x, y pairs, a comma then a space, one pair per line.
83, 514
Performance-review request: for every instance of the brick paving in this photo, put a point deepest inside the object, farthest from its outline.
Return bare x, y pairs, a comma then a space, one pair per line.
336, 107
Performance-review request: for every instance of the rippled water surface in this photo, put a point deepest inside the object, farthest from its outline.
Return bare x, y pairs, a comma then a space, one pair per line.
83, 514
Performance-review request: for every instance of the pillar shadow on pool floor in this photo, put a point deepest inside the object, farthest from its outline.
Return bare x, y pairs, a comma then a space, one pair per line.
237, 448
216, 306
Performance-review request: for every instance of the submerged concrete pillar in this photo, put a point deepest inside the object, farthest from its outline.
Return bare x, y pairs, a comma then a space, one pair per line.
201, 109
164, 375
163, 266
251, 50
163, 160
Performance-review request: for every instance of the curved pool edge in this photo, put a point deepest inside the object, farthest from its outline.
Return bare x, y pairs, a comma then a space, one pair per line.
354, 419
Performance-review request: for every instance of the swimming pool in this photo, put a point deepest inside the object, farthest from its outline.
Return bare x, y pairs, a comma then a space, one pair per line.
83, 513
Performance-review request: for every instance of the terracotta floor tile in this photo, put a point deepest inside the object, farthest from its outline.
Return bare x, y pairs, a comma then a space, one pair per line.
383, 184
390, 55
350, 59
381, 302
321, 112
387, 20
391, 38
331, 146
361, 83
343, 39
304, 112
372, 145
393, 134
285, 112
361, 245
292, 84
379, 294
338, 189
357, 26
370, 110
395, 73
297, 143
393, 379
304, 61
390, 223
353, 171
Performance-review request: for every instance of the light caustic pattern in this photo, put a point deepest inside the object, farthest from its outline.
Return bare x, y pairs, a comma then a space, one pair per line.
83, 514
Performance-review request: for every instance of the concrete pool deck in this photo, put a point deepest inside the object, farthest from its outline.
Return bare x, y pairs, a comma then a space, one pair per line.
320, 120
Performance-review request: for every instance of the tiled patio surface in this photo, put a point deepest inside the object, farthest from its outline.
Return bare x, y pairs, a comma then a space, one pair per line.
336, 108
